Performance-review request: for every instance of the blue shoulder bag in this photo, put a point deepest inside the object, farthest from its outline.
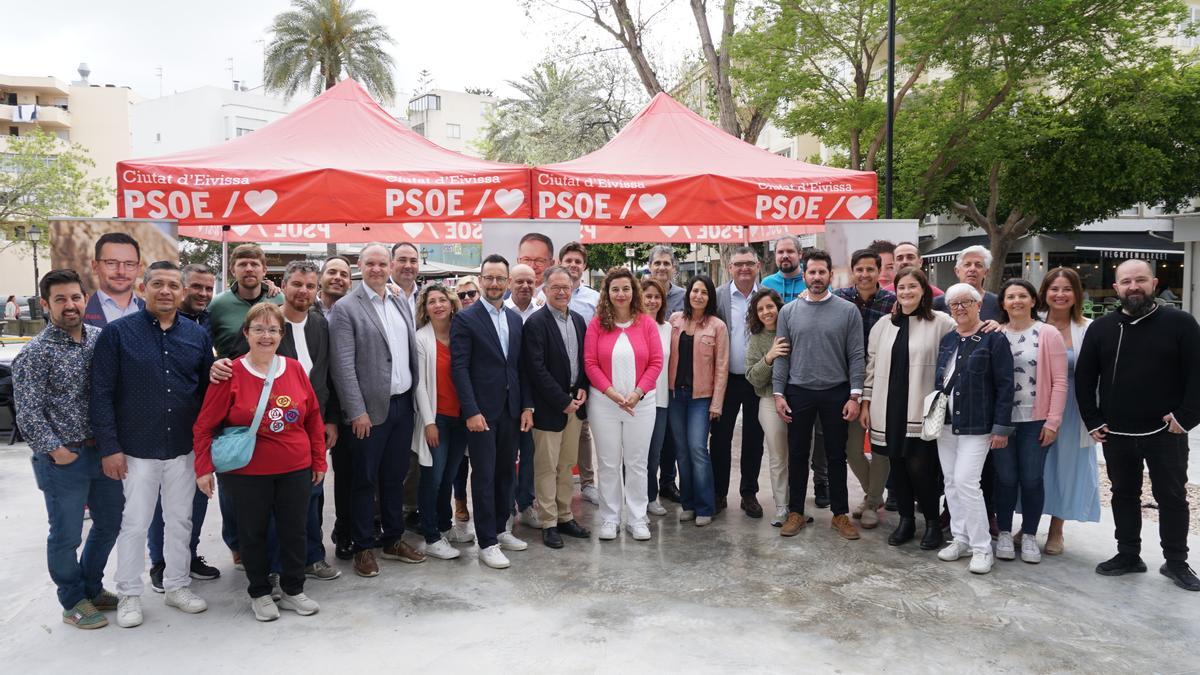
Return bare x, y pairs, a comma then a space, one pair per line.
234, 448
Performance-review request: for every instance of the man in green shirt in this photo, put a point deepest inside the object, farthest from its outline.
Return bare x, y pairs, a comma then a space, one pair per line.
228, 309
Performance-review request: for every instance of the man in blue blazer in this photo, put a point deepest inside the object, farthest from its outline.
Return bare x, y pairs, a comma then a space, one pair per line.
485, 348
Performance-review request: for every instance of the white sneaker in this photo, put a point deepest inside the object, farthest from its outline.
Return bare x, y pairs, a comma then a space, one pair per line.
442, 550
1004, 546
493, 557
529, 518
981, 562
264, 608
639, 531
685, 516
869, 517
953, 551
129, 611
654, 508
460, 533
300, 604
590, 494
1030, 552
509, 542
701, 521
780, 517
185, 600
608, 531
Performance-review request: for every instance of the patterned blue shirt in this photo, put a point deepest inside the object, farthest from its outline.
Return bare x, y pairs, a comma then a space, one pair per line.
872, 309
147, 386
51, 383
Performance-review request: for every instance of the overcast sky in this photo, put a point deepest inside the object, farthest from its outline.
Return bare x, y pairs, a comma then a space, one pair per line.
477, 43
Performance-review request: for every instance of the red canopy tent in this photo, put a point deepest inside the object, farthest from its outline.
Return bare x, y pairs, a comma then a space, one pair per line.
339, 162
672, 168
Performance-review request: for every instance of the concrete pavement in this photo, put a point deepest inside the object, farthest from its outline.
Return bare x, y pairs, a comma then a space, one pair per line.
731, 597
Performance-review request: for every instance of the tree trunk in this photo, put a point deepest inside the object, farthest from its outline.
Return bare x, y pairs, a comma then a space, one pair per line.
717, 59
630, 37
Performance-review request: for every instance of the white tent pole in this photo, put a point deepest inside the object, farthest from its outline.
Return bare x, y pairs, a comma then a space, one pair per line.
224, 255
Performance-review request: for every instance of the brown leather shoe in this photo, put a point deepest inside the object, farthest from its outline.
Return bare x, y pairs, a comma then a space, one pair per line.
399, 550
460, 510
365, 565
792, 526
844, 527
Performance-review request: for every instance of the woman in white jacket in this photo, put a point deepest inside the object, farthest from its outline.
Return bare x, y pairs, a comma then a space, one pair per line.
1072, 476
440, 435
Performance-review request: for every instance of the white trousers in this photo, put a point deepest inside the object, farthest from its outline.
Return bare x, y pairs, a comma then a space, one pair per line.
621, 439
775, 438
962, 460
144, 480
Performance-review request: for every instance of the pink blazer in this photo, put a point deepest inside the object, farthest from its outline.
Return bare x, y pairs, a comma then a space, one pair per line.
647, 352
710, 359
1050, 398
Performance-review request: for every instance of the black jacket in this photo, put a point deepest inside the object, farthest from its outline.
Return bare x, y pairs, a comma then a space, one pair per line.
545, 365
1142, 368
316, 335
488, 383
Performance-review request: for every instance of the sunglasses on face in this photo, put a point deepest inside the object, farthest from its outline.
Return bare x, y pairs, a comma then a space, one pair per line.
467, 295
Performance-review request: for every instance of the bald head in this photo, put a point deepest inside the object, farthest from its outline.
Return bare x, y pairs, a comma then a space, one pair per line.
522, 281
1135, 266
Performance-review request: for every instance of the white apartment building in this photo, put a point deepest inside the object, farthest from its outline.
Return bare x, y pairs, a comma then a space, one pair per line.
201, 117
93, 115
453, 119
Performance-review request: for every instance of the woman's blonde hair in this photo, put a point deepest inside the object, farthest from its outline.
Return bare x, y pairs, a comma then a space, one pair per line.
423, 299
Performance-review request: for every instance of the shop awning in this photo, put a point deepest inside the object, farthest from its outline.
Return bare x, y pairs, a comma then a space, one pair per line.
949, 251
1142, 244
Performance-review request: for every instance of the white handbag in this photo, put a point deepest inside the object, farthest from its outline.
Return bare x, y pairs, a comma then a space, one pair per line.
935, 412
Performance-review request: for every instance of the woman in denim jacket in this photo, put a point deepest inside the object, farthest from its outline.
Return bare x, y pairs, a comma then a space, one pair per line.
977, 370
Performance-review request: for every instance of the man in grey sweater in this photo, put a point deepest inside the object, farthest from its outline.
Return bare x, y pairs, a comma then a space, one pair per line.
822, 376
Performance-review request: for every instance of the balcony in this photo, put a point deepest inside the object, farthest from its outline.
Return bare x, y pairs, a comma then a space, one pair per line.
48, 116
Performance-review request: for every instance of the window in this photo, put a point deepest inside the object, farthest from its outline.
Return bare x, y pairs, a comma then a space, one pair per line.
424, 103
786, 152
242, 131
1133, 212
158, 137
14, 131
419, 128
1156, 209
1186, 37
453, 131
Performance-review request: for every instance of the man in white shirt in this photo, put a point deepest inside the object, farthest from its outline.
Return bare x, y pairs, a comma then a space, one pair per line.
522, 285
116, 264
406, 265
583, 297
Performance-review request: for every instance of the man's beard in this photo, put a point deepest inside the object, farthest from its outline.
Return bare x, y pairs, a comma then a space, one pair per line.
1137, 304
787, 267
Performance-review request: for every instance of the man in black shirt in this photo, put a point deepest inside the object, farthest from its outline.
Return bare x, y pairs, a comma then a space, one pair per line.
1144, 365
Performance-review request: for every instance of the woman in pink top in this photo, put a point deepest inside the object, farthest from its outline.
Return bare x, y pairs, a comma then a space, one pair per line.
622, 356
1039, 397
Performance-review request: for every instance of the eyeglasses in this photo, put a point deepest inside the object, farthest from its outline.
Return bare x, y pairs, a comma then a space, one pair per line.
114, 265
259, 330
560, 289
744, 265
526, 260
494, 280
467, 295
962, 305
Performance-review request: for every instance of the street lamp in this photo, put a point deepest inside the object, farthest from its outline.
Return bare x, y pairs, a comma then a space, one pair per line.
34, 233
891, 96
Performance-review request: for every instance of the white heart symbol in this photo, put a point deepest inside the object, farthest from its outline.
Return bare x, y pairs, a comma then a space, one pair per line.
669, 230
413, 229
857, 206
239, 230
652, 204
260, 201
509, 200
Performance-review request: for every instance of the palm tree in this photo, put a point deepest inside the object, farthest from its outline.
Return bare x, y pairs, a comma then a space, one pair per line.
318, 41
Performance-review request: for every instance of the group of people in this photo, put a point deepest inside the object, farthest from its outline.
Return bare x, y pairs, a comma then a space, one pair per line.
510, 379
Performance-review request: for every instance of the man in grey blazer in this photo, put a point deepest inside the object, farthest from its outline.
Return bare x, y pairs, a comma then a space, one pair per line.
375, 371
733, 301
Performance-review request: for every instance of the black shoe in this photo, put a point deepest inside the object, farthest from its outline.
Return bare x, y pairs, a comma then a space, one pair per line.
156, 572
1179, 572
904, 532
889, 504
722, 504
933, 538
821, 496
344, 550
669, 492
202, 570
551, 538
1121, 563
751, 506
573, 529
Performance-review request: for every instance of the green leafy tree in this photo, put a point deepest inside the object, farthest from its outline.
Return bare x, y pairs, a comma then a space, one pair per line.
605, 256
318, 42
200, 251
42, 177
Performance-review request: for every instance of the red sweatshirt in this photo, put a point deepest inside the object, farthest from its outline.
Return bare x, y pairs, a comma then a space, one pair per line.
291, 435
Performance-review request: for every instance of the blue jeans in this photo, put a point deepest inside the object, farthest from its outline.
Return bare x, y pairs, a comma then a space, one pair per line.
1019, 467
523, 481
656, 445
689, 427
437, 480
154, 535
67, 489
